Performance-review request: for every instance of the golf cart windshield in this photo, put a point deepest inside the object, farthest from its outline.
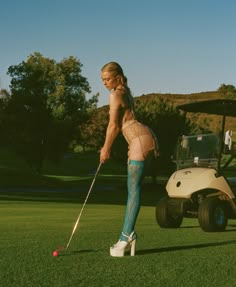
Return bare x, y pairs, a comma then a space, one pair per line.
198, 150
223, 107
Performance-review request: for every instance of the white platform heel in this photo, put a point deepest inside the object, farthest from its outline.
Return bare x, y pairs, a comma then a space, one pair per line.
118, 249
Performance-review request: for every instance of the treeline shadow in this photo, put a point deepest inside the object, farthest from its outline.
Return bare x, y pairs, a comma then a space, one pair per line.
115, 194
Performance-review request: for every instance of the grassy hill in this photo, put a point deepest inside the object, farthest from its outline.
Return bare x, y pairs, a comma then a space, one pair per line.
179, 99
213, 121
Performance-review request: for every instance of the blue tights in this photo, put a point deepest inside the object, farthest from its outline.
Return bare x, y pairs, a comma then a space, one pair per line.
135, 176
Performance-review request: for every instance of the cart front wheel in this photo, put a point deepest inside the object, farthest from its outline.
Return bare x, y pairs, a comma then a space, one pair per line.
166, 219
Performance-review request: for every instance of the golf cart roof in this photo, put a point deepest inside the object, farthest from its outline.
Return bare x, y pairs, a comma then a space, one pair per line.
225, 107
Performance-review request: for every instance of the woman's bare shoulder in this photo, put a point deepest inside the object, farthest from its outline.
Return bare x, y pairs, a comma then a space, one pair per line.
117, 98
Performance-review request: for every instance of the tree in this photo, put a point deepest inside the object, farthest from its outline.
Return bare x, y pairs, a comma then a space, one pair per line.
48, 103
92, 133
4, 94
4, 98
227, 91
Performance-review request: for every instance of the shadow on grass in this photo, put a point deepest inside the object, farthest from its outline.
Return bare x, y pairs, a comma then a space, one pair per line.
100, 194
76, 252
179, 248
152, 250
197, 226
189, 227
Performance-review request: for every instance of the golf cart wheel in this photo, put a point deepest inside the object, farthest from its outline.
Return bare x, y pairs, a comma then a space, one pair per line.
212, 215
164, 218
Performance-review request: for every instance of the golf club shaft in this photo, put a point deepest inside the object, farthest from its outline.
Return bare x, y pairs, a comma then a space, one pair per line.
78, 219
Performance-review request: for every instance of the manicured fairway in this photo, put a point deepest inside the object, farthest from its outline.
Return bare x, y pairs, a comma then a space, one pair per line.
34, 223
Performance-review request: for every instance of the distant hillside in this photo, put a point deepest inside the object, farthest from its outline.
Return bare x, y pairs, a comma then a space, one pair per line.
213, 121
179, 99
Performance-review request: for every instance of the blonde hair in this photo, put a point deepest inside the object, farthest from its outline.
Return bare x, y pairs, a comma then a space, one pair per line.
116, 70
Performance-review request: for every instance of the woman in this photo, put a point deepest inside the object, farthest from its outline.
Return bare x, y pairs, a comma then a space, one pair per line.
141, 142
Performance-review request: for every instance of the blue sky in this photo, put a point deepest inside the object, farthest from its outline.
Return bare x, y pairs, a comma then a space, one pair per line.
164, 46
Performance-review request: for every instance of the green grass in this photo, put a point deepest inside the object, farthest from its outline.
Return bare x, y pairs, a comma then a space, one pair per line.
31, 228
38, 212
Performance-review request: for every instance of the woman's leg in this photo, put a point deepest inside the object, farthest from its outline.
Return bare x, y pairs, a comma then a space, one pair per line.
139, 150
135, 175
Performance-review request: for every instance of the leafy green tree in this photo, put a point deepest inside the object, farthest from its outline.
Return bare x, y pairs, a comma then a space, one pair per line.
227, 91
48, 103
92, 133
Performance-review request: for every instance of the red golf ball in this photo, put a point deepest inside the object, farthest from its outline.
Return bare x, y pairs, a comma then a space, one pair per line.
55, 253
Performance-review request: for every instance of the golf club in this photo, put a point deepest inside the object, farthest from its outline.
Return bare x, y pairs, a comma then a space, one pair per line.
78, 219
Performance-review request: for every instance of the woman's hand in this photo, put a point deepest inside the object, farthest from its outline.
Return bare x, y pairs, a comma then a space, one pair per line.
104, 155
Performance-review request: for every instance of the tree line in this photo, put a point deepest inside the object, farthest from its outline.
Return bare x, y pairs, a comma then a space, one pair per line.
47, 112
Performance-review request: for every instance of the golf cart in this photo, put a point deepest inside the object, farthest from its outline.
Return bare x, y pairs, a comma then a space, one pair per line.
198, 187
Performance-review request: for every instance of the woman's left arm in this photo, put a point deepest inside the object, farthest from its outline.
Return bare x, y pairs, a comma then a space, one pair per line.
113, 128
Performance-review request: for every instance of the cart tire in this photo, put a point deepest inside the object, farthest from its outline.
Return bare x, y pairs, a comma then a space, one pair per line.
164, 218
212, 215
